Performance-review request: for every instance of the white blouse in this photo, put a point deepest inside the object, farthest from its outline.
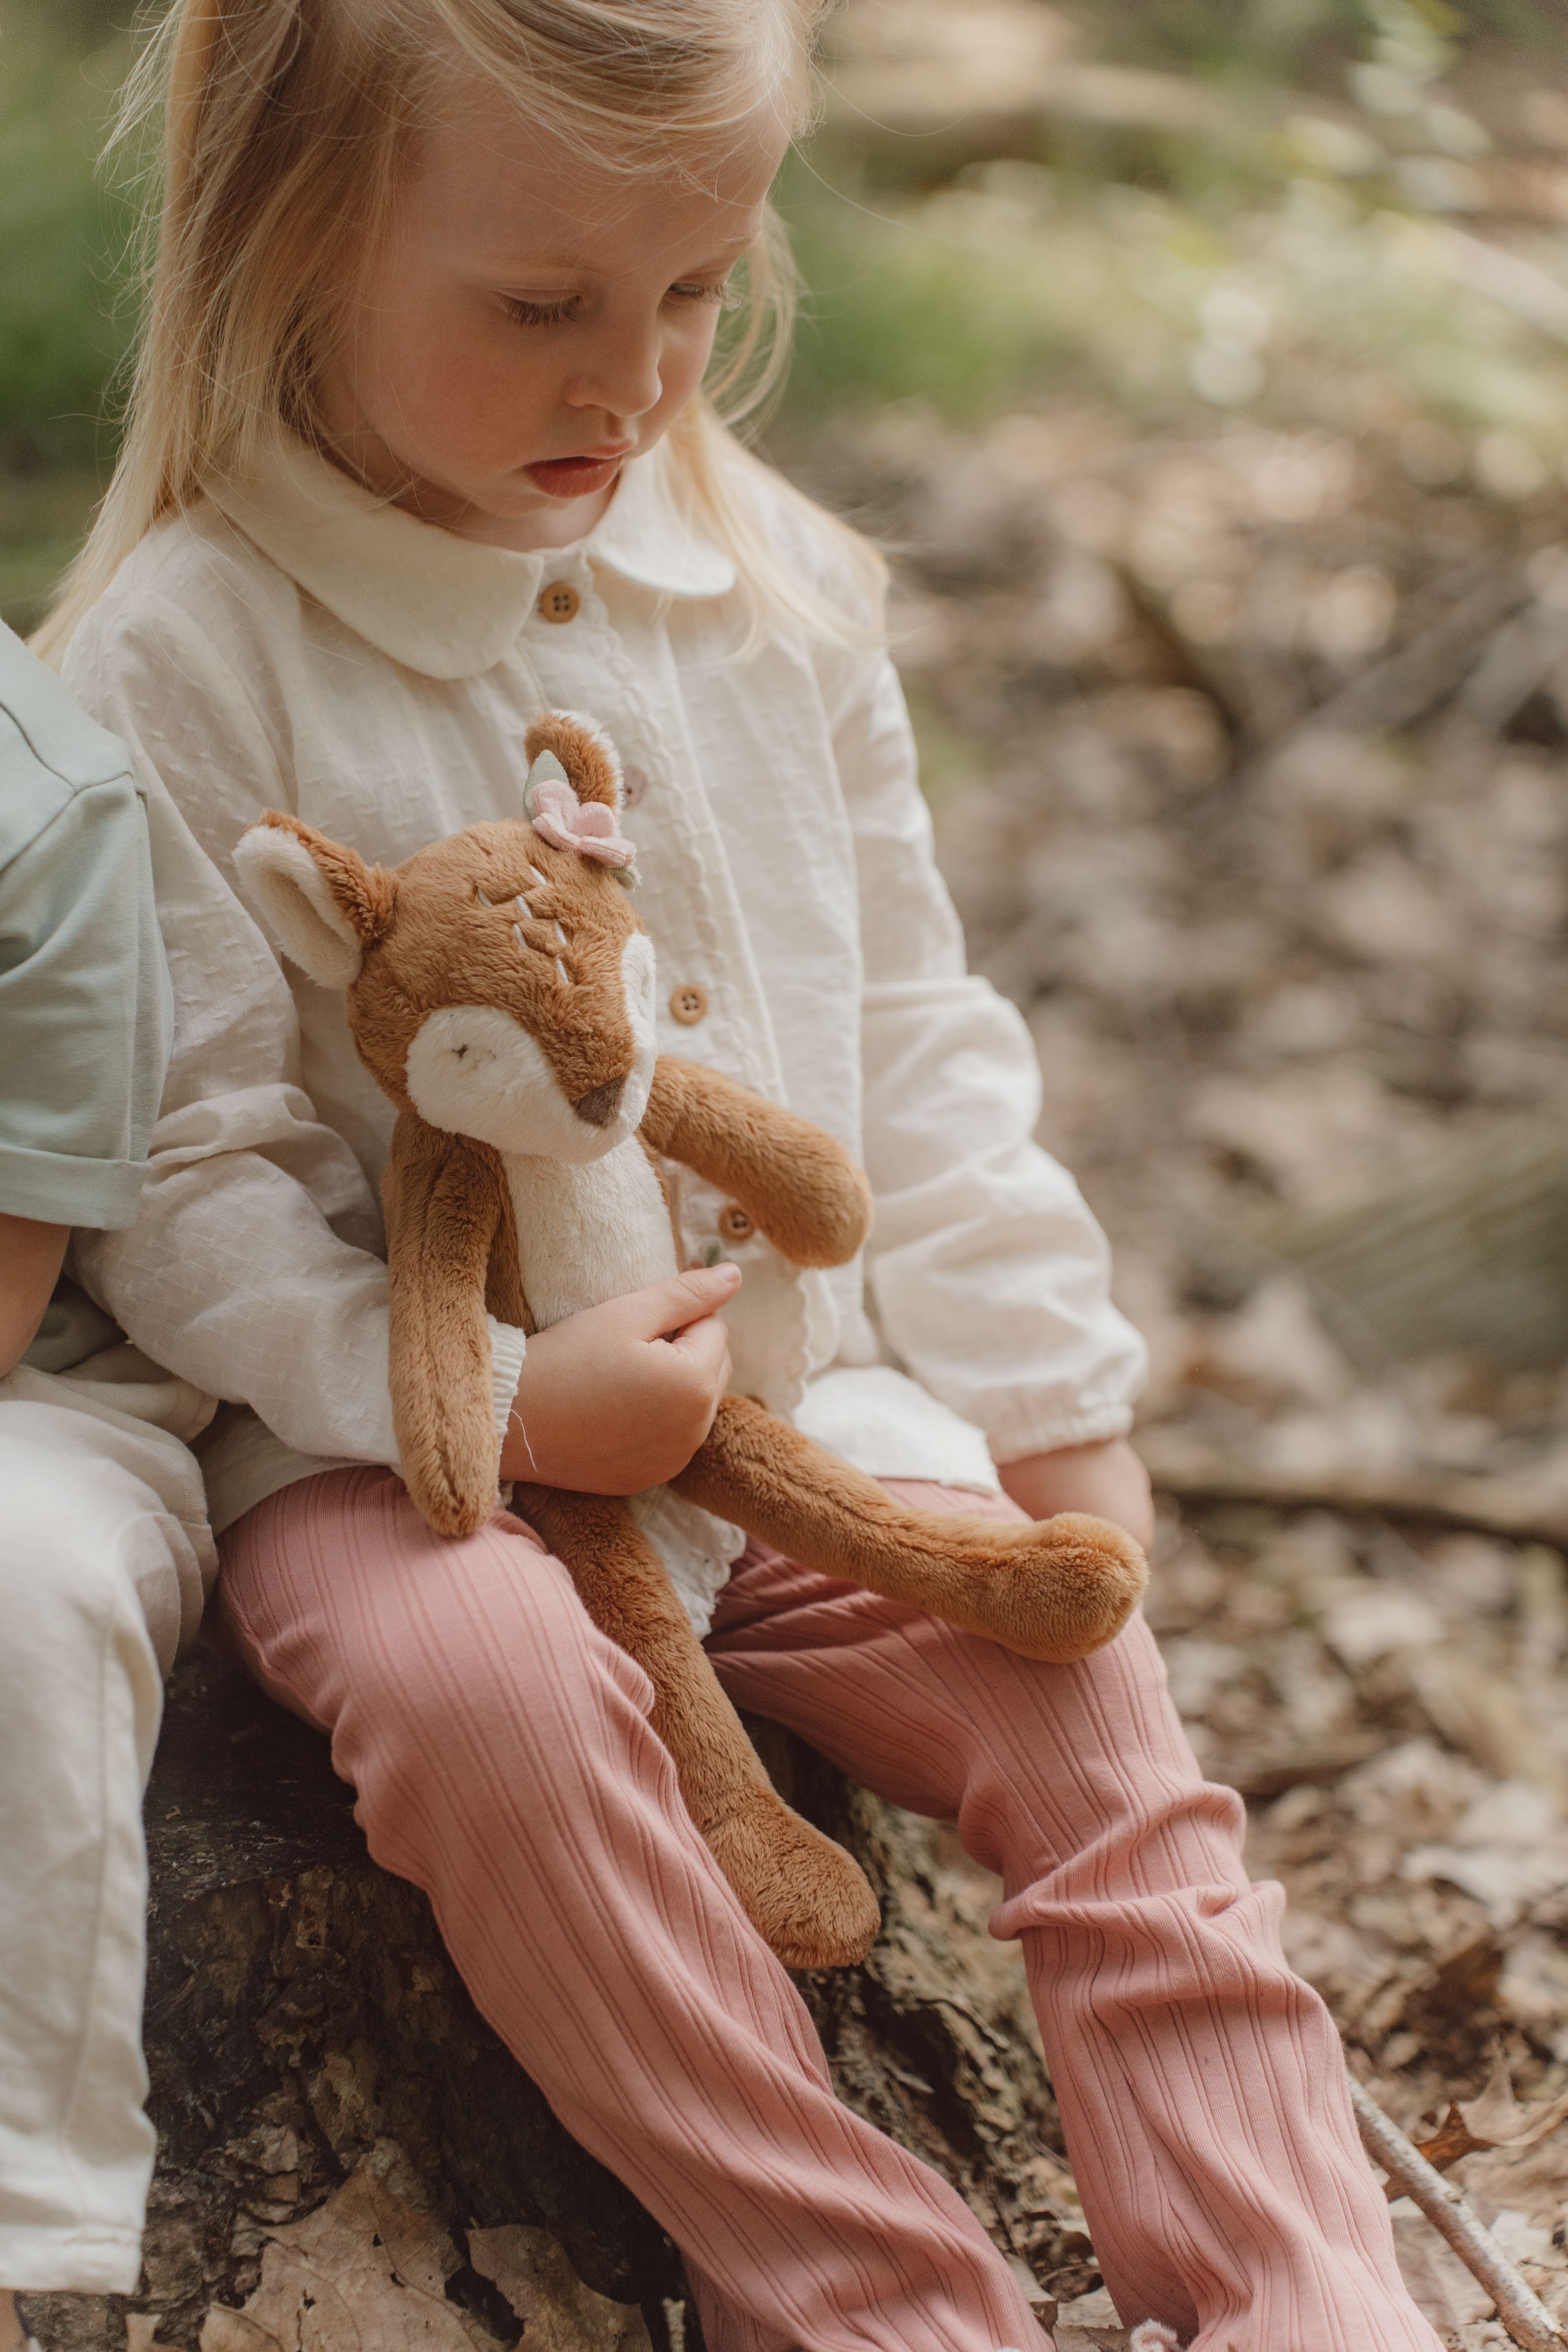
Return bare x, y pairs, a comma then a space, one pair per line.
298, 645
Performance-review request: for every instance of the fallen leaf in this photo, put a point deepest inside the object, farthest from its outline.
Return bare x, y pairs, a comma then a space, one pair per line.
229, 2331
1451, 2140
1440, 2284
366, 2271
558, 2312
1498, 2114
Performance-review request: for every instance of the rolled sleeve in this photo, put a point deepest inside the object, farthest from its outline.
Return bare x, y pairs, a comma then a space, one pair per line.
990, 1276
84, 1011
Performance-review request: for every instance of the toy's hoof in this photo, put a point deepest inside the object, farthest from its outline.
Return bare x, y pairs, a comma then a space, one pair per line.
1068, 1589
810, 1901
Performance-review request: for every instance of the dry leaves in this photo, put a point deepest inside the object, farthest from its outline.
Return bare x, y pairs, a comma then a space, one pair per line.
367, 2271
558, 2312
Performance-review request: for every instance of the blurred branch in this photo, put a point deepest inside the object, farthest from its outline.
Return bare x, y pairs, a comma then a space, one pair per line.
1522, 2313
1516, 1509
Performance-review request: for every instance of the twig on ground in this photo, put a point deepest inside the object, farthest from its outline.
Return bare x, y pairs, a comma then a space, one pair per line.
1522, 2313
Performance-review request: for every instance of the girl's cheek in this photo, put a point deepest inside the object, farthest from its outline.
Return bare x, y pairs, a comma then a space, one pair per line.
686, 362
474, 393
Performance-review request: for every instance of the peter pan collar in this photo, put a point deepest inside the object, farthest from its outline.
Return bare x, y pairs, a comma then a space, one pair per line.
442, 605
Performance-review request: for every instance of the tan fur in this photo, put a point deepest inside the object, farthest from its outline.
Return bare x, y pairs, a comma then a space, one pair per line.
443, 1205
801, 1892
798, 1186
1055, 1590
1057, 1600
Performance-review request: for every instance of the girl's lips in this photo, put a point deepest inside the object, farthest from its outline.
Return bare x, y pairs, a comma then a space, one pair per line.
576, 478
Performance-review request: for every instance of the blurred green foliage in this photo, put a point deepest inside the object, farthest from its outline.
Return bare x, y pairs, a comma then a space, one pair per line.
65, 323
891, 313
1141, 267
1305, 41
63, 235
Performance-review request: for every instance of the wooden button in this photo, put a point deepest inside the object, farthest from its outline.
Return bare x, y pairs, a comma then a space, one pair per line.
689, 1004
560, 601
734, 1224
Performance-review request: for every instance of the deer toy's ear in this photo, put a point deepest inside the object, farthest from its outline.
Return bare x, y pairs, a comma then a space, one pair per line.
320, 902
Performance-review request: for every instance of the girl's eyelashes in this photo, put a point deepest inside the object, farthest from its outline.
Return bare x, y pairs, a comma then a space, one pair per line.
558, 309
722, 291
554, 313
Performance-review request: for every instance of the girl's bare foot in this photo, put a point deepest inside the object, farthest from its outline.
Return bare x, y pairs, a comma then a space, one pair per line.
12, 2340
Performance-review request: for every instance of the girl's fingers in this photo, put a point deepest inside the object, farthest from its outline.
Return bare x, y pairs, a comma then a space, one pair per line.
705, 1345
663, 1309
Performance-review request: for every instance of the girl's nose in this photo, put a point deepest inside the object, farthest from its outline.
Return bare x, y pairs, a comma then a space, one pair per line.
621, 377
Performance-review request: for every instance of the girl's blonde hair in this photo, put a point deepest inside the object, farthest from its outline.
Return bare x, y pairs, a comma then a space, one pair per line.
288, 127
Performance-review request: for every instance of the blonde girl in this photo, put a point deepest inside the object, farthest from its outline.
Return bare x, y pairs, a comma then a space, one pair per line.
427, 434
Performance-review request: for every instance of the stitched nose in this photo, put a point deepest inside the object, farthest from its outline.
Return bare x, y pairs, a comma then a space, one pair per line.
600, 1104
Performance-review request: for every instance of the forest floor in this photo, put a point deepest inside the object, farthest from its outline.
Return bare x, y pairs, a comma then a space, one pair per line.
1273, 853
1238, 656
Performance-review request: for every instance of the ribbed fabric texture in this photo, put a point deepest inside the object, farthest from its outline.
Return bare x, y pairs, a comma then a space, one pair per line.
503, 1761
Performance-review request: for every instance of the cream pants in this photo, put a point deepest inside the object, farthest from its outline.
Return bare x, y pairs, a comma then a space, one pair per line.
104, 1555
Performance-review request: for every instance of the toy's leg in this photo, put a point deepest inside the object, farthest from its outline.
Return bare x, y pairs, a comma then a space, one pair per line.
804, 1896
1053, 1589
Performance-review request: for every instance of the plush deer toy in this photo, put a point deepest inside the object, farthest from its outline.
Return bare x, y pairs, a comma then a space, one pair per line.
500, 992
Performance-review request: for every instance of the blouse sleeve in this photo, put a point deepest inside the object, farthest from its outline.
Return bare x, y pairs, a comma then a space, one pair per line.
990, 1277
252, 1268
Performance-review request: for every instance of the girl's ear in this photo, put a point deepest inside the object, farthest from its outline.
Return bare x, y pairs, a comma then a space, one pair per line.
321, 903
592, 763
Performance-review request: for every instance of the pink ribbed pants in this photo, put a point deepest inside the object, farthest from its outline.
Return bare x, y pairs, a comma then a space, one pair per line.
503, 1762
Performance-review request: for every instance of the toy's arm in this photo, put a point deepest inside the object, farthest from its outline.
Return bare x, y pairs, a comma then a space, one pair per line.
443, 1200
797, 1183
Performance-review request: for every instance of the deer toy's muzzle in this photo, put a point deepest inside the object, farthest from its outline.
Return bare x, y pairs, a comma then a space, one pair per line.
600, 1104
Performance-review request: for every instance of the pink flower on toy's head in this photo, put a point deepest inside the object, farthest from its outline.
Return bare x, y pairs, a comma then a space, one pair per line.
558, 816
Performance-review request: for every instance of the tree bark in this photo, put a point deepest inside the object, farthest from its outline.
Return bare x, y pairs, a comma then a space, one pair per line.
304, 2023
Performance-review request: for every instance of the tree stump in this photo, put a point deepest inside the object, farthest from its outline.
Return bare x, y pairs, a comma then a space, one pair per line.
349, 2156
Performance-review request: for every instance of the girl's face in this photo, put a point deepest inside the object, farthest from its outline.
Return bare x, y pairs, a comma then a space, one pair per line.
534, 319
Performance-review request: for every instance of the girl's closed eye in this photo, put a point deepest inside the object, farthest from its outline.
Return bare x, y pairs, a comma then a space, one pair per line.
552, 310
722, 291
557, 311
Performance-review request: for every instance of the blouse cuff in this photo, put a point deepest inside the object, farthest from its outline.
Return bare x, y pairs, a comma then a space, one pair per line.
1092, 1427
507, 1347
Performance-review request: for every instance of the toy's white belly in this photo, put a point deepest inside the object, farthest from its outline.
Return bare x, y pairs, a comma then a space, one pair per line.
590, 1234
586, 1235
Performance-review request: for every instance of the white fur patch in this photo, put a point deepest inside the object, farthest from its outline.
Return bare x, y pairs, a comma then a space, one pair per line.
473, 1070
298, 910
587, 1234
638, 973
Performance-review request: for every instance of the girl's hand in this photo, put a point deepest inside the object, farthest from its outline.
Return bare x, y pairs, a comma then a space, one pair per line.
1107, 1479
619, 1397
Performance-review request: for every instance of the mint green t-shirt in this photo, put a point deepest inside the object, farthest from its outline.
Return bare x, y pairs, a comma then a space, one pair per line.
85, 1005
